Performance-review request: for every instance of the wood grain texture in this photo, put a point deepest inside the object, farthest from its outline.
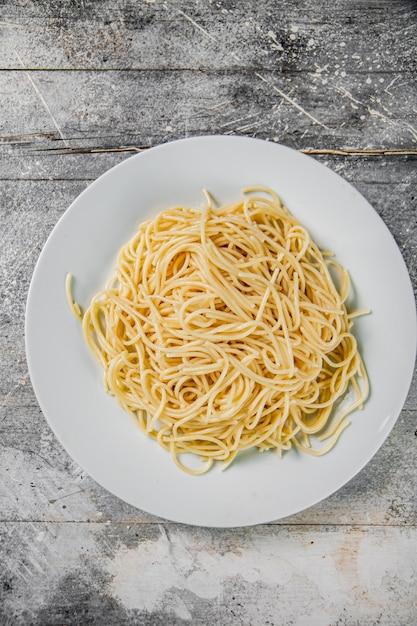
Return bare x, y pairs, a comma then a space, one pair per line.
154, 574
142, 108
208, 34
83, 85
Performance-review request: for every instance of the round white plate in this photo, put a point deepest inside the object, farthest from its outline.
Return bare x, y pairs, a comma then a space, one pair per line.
103, 439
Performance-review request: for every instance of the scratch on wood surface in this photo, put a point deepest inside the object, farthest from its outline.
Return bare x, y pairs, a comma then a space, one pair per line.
11, 252
75, 150
360, 151
41, 98
25, 451
290, 100
235, 56
24, 138
240, 119
200, 28
11, 25
388, 87
25, 254
348, 95
78, 473
67, 495
219, 105
318, 151
35, 562
412, 131
13, 390
247, 127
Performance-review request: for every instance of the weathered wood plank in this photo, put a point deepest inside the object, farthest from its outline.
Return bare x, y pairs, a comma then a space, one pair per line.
144, 108
334, 38
158, 574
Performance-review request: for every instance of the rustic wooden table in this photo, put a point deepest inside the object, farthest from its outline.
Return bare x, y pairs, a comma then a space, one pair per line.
83, 85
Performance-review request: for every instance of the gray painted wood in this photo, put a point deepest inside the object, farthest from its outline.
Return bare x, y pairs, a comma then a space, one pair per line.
154, 574
113, 108
85, 84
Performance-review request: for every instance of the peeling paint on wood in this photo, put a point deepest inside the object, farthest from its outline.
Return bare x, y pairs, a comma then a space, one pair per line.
158, 574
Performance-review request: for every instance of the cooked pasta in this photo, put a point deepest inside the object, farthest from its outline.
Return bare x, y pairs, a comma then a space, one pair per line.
223, 330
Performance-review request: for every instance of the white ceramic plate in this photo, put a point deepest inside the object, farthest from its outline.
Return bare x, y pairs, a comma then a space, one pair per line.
67, 380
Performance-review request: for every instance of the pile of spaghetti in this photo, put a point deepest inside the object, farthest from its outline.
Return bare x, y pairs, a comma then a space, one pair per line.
223, 330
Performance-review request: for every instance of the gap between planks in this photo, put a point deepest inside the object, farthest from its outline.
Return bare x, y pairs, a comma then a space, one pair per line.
310, 151
161, 522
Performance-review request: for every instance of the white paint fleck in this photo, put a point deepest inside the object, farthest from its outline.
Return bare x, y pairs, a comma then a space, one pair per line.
294, 29
382, 80
368, 81
168, 129
292, 37
343, 74
277, 45
342, 44
310, 43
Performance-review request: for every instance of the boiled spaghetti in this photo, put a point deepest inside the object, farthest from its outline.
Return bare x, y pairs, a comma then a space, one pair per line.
223, 330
